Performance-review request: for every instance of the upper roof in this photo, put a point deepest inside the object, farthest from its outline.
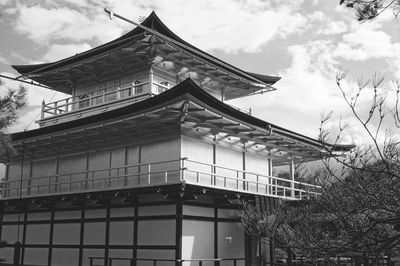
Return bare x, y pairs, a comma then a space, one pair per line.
202, 111
47, 73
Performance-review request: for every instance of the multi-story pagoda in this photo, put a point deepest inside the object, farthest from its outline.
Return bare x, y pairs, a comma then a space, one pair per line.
145, 159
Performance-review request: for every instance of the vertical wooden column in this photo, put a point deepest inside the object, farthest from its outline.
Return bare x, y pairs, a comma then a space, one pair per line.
216, 231
57, 173
42, 110
86, 186
23, 236
135, 230
6, 187
151, 79
107, 239
291, 173
81, 234
178, 231
244, 166
51, 237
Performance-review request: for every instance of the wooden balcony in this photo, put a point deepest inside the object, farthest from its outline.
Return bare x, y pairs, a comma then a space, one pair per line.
97, 101
101, 100
159, 173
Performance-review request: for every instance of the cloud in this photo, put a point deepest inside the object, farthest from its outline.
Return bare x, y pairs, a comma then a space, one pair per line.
364, 43
3, 60
231, 26
45, 24
60, 51
334, 27
306, 91
227, 25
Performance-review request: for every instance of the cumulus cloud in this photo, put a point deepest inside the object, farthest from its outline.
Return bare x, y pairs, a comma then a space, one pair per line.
45, 24
306, 91
231, 25
364, 43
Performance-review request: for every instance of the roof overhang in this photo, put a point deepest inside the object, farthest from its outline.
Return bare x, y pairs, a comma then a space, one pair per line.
185, 109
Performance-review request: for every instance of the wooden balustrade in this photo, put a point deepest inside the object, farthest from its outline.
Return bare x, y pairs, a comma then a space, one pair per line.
155, 173
95, 98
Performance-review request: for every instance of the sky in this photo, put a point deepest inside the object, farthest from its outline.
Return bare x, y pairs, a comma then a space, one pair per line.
306, 42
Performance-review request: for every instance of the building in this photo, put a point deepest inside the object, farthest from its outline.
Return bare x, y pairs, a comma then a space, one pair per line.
145, 159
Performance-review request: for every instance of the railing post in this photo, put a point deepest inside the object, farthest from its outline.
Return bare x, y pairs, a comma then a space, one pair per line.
42, 111
148, 174
67, 105
291, 171
200, 263
70, 183
93, 180
154, 262
269, 185
166, 177
182, 168
151, 85
212, 175
55, 108
237, 179
90, 261
257, 183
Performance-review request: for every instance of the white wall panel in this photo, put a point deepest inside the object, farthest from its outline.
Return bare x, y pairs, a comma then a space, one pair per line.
118, 171
257, 164
71, 169
100, 162
198, 151
165, 150
43, 172
197, 241
232, 159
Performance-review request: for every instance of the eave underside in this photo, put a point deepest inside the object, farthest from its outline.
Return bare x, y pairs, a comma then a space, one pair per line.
185, 115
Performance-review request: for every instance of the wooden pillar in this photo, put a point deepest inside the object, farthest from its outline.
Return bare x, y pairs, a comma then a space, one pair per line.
151, 79
291, 174
51, 237
42, 112
178, 232
81, 236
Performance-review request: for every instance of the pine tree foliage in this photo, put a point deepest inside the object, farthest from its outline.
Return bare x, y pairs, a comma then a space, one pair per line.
11, 102
366, 10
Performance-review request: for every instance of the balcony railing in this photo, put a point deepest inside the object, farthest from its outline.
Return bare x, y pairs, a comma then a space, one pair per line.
109, 95
158, 173
99, 97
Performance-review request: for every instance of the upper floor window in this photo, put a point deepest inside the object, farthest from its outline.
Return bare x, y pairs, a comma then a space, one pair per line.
83, 101
137, 87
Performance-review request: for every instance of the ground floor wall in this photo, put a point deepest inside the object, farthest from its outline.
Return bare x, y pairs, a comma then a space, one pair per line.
153, 227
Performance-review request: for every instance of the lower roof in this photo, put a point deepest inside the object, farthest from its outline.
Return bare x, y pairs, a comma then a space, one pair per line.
186, 105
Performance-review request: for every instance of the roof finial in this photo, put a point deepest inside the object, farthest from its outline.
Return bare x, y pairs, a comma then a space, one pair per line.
108, 11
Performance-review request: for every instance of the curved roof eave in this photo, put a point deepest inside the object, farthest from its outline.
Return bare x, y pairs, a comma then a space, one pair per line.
187, 87
152, 21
